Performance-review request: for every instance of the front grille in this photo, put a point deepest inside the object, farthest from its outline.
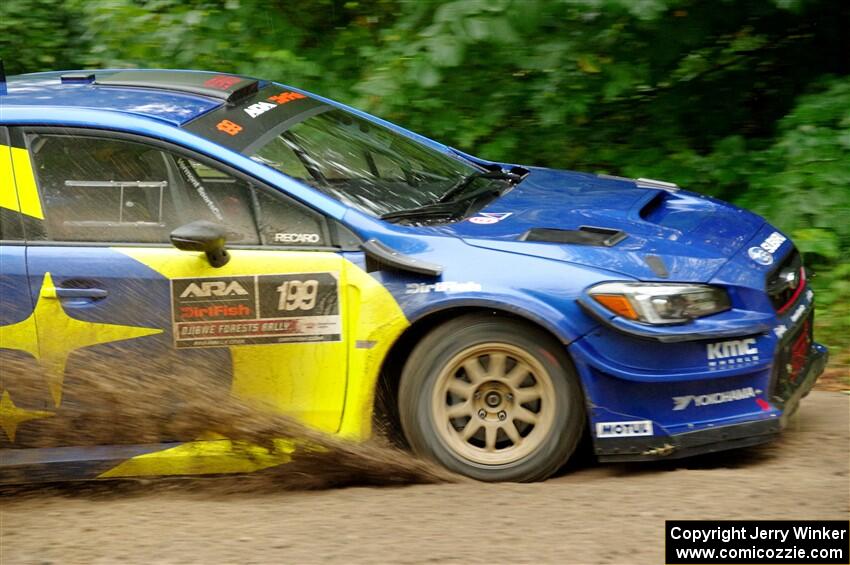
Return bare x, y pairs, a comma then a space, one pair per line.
786, 282
791, 358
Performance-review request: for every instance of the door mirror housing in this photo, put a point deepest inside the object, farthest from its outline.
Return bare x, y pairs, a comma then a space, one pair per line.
203, 236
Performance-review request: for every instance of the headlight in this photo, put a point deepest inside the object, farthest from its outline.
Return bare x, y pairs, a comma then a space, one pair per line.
660, 303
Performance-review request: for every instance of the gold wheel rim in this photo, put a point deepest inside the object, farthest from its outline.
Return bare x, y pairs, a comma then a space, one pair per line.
493, 404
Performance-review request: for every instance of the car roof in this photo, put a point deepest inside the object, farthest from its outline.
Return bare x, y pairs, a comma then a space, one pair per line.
173, 96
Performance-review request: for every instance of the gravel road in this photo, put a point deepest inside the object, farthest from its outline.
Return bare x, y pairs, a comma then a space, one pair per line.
594, 514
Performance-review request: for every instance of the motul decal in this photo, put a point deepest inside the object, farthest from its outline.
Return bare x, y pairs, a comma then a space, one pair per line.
624, 429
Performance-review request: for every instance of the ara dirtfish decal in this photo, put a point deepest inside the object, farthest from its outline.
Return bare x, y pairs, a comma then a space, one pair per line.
255, 309
490, 217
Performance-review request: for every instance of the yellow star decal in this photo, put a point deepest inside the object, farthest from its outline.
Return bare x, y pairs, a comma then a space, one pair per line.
21, 336
50, 335
11, 416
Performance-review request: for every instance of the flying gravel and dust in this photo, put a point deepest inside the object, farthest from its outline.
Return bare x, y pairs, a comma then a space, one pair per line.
397, 508
150, 405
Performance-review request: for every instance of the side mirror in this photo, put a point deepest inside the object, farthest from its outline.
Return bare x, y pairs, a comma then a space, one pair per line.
203, 236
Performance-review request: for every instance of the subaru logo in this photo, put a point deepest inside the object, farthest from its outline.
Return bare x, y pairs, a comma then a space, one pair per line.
760, 256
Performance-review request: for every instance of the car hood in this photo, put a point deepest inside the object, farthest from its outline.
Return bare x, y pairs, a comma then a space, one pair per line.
656, 231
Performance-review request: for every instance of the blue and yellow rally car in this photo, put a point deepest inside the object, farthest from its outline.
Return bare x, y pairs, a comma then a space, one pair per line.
317, 253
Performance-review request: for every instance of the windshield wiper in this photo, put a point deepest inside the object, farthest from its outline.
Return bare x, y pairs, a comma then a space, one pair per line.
453, 202
428, 211
448, 209
461, 185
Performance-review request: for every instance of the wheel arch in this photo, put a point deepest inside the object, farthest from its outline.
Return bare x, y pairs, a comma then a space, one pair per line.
385, 407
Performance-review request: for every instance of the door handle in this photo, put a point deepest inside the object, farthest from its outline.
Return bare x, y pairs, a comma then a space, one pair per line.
59, 292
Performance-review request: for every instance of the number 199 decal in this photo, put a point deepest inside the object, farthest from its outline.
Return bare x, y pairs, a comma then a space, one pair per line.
298, 295
255, 309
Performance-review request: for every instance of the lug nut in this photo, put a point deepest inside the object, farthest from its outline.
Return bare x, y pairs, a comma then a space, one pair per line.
477, 395
502, 415
482, 413
509, 396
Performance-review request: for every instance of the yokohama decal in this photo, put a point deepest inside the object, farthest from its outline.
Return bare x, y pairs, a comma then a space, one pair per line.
255, 309
699, 400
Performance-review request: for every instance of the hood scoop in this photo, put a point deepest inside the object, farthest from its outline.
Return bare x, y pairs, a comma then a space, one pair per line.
585, 235
654, 209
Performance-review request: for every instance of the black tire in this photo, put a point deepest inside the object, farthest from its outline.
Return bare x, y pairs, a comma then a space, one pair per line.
432, 363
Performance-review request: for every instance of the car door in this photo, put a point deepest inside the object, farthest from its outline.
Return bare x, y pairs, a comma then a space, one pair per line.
131, 329
18, 342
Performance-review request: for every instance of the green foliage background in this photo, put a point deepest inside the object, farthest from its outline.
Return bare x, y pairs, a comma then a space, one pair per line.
747, 100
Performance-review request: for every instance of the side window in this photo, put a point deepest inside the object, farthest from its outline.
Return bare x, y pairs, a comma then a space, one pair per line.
97, 189
282, 156
285, 222
218, 197
10, 225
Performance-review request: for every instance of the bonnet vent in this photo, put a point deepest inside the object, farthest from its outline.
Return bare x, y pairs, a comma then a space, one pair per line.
585, 235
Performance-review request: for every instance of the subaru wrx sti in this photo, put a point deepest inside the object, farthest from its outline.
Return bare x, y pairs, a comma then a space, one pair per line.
317, 253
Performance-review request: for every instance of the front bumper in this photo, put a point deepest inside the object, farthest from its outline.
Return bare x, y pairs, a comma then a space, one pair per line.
718, 438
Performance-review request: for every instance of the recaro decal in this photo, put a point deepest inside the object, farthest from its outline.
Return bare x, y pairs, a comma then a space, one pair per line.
297, 238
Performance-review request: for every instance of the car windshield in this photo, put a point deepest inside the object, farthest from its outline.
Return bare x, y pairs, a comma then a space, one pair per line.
354, 160
361, 163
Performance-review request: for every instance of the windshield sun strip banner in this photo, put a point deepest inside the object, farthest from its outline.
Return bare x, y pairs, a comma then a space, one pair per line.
240, 126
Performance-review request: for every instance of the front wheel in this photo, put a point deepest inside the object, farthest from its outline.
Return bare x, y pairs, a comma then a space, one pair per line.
491, 398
